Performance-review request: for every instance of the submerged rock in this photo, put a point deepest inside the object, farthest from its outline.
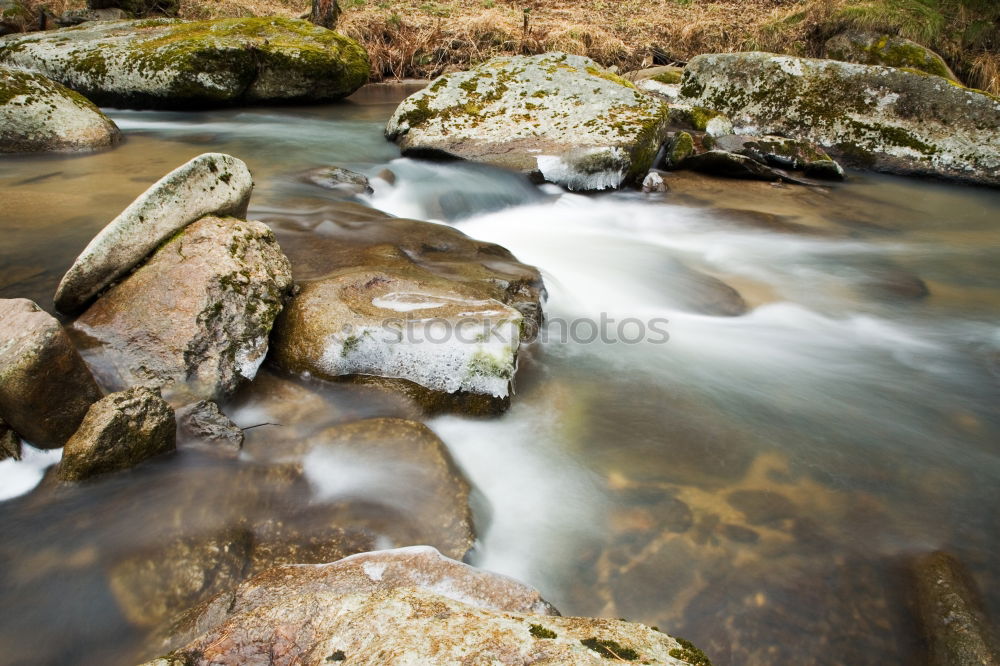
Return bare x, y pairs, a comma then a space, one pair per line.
210, 184
39, 115
337, 178
10, 442
45, 387
883, 118
411, 301
194, 319
167, 63
867, 48
202, 421
155, 584
951, 614
558, 115
409, 605
120, 431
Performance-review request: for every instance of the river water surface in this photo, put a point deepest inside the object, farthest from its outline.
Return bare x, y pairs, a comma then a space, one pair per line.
755, 483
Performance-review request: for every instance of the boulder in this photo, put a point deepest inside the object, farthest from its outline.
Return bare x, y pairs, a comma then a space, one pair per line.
416, 302
867, 48
45, 387
168, 63
884, 118
203, 422
210, 184
677, 149
194, 319
733, 165
557, 115
39, 115
10, 442
120, 431
15, 16
405, 606
952, 617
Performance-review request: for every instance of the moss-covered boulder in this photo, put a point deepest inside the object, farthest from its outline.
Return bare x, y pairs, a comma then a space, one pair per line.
884, 118
119, 431
168, 63
557, 115
413, 303
867, 48
194, 319
408, 605
39, 115
45, 387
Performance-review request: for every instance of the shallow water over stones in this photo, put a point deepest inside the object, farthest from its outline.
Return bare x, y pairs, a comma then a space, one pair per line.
753, 483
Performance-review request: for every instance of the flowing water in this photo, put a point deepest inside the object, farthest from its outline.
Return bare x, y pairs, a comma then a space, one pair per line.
751, 474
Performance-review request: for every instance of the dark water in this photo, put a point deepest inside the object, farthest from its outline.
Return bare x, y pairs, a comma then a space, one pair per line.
755, 483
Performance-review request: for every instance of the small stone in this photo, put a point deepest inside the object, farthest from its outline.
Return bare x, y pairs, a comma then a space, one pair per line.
337, 178
120, 431
10, 442
654, 183
204, 422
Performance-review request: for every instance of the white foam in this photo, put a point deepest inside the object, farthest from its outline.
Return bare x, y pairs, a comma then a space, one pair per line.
18, 477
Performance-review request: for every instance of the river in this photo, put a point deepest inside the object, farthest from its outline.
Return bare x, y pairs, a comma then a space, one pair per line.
754, 483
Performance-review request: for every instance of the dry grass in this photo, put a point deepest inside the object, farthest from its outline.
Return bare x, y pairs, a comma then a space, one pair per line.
423, 38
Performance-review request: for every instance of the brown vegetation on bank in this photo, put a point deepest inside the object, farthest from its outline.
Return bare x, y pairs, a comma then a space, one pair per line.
423, 38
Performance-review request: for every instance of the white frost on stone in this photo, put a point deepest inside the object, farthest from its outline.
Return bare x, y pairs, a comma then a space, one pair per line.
477, 353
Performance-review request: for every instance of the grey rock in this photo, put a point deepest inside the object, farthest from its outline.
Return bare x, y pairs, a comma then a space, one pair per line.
10, 442
561, 116
39, 115
868, 48
45, 387
210, 184
78, 16
882, 118
336, 178
120, 431
169, 63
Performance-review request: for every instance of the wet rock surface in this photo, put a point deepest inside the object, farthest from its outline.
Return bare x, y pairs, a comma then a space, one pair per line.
10, 442
39, 115
203, 422
559, 115
159, 63
194, 319
882, 118
210, 184
409, 301
405, 605
337, 178
120, 431
45, 387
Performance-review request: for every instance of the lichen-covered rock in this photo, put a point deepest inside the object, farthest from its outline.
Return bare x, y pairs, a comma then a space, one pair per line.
45, 387
210, 184
867, 48
39, 115
194, 319
417, 302
120, 431
169, 63
203, 422
404, 606
10, 442
677, 149
559, 115
880, 117
952, 617
73, 17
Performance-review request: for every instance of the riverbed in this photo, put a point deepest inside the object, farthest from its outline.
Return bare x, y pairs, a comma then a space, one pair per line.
753, 480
